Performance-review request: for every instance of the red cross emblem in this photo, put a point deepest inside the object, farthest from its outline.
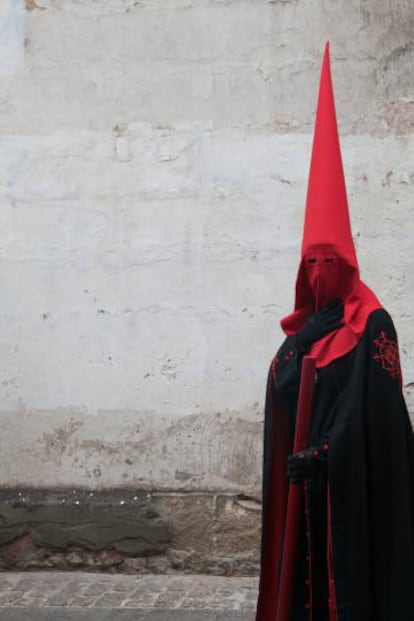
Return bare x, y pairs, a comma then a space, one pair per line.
387, 355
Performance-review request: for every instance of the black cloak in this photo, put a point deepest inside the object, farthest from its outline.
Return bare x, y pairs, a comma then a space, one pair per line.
363, 504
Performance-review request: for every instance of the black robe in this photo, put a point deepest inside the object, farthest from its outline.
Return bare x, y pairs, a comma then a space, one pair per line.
359, 412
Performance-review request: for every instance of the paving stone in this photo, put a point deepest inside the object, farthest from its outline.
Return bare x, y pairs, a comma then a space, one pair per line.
70, 614
97, 614
51, 614
73, 614
180, 615
235, 616
61, 596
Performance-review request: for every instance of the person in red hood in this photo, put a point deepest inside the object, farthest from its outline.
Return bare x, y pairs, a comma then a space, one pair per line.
356, 548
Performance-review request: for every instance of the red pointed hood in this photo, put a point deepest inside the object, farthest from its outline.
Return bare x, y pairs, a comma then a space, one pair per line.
329, 266
327, 216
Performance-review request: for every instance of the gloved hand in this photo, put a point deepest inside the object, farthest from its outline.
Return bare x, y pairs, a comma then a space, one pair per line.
306, 464
320, 324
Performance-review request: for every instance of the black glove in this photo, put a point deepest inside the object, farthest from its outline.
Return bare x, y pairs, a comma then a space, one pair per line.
320, 324
306, 464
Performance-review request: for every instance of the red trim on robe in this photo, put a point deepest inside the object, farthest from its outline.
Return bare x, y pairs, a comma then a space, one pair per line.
274, 520
309, 552
333, 610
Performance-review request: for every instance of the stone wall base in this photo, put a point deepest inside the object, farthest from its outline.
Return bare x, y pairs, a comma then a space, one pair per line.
129, 531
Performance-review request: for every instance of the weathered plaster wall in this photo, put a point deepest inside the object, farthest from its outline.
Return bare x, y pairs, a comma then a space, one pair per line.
153, 165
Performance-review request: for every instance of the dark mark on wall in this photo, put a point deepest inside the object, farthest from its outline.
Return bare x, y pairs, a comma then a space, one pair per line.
181, 475
97, 472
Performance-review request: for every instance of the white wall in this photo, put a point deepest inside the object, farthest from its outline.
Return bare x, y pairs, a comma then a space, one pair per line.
153, 166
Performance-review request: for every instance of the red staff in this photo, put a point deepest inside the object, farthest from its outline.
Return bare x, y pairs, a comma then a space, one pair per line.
296, 496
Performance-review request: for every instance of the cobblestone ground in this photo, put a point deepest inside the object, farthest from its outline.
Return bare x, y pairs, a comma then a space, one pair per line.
62, 596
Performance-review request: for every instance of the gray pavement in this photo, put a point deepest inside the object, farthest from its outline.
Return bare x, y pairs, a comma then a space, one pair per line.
117, 614
81, 596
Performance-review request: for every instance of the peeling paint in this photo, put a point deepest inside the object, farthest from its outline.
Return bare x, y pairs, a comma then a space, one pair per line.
57, 440
30, 5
